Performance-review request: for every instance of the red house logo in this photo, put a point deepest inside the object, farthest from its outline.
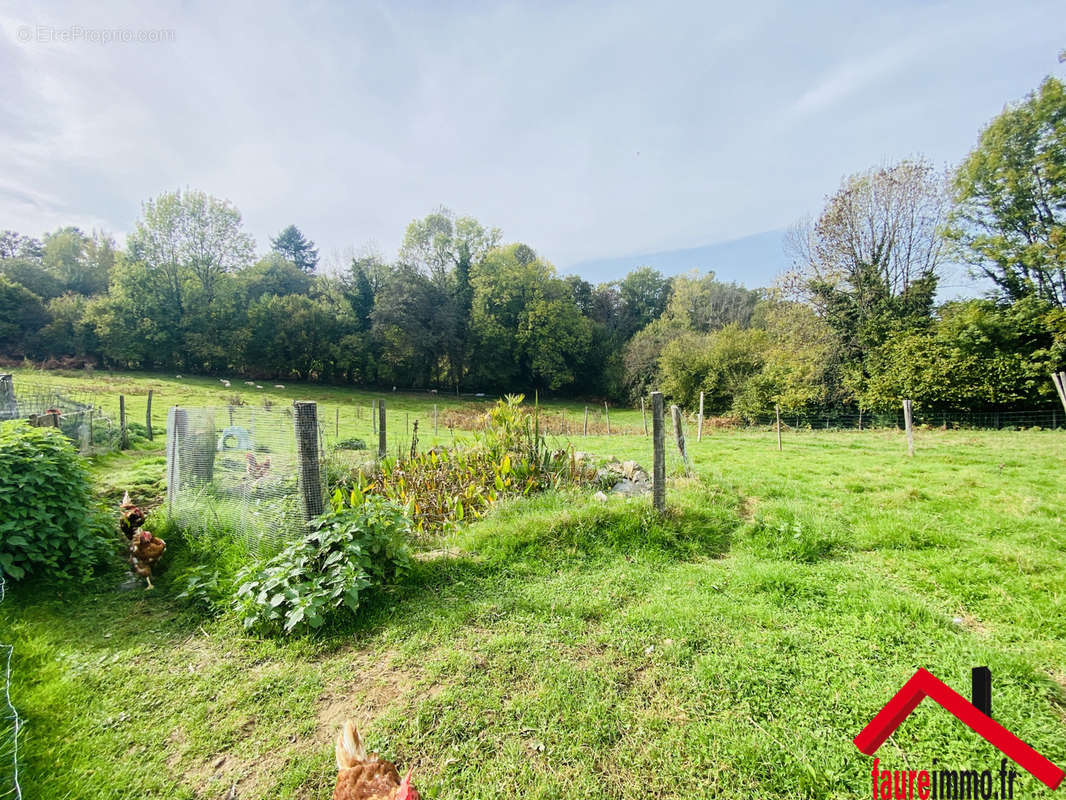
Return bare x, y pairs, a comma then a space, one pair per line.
977, 716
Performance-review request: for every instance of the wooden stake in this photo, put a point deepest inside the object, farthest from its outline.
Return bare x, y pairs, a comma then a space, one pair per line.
178, 424
607, 415
305, 423
586, 433
434, 420
123, 437
777, 411
382, 452
644, 415
679, 435
699, 428
658, 440
908, 421
148, 417
337, 424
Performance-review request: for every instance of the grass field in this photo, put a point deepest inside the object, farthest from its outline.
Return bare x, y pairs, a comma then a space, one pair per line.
571, 648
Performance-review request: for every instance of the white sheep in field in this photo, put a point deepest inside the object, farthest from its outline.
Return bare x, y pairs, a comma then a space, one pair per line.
279, 386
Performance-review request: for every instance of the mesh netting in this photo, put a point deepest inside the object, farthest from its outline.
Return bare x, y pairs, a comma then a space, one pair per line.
9, 726
74, 413
235, 471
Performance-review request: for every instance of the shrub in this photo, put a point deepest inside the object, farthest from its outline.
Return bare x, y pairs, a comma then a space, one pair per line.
48, 524
347, 551
350, 444
442, 487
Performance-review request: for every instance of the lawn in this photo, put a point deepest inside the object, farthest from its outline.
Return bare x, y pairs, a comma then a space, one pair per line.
572, 648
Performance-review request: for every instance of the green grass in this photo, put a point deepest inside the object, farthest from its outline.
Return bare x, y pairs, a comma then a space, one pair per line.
580, 649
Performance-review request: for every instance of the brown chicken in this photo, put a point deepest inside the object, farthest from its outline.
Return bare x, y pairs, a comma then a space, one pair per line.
256, 469
131, 517
145, 550
363, 776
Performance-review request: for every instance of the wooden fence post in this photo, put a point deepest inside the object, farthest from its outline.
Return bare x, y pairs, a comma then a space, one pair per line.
699, 428
305, 423
658, 443
373, 416
178, 425
607, 416
586, 433
909, 422
337, 424
434, 420
679, 434
148, 417
123, 436
777, 411
8, 407
644, 415
382, 451
1057, 378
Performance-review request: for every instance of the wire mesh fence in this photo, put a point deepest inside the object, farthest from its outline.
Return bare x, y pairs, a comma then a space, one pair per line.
948, 420
9, 726
235, 471
74, 412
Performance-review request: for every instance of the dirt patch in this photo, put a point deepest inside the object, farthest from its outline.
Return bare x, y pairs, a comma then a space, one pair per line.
747, 508
969, 622
374, 687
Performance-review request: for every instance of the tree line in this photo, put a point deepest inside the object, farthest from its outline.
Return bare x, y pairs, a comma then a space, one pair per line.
855, 323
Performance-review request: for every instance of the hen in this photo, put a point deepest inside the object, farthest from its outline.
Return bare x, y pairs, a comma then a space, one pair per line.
363, 776
256, 469
130, 516
145, 550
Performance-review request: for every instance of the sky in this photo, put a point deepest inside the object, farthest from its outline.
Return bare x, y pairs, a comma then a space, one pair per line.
589, 131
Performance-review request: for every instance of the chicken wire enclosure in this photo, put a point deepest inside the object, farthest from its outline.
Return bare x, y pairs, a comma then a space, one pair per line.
237, 471
76, 414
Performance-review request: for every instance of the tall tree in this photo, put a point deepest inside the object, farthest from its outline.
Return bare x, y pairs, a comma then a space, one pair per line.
1010, 193
15, 245
296, 247
190, 234
436, 243
872, 260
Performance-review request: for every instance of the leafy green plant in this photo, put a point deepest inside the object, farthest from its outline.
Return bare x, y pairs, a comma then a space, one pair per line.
347, 551
350, 444
440, 487
48, 524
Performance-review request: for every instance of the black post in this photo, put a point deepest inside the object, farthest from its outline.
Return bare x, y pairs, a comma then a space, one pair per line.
981, 678
305, 422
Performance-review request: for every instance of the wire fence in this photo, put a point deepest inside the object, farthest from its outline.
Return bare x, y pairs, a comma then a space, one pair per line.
234, 471
9, 727
948, 420
75, 412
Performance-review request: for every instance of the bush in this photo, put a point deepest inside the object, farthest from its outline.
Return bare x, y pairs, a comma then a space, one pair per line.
48, 524
347, 551
350, 444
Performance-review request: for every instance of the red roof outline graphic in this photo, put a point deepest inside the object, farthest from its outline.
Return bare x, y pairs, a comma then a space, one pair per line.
924, 684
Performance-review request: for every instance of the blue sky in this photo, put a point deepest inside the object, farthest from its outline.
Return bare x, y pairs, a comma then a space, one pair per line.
589, 131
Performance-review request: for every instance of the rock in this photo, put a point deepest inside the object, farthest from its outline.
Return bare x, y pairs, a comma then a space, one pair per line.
600, 496
629, 488
629, 467
640, 476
